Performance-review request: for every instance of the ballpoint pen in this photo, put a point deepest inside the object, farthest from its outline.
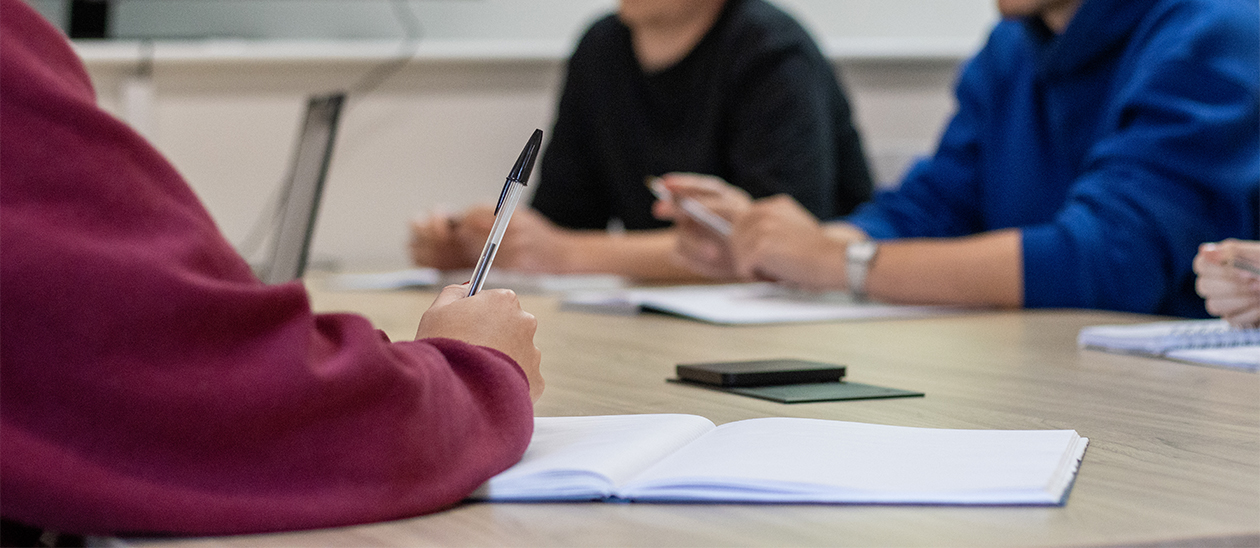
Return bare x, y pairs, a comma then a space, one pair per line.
692, 207
516, 180
1245, 265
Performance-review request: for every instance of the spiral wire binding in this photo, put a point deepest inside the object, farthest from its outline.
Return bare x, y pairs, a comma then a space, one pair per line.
1210, 335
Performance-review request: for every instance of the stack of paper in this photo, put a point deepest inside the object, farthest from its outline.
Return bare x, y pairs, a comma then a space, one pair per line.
742, 304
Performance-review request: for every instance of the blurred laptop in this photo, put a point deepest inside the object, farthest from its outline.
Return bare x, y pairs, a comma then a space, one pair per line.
299, 199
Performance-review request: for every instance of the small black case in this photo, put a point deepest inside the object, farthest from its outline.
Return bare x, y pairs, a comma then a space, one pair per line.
760, 372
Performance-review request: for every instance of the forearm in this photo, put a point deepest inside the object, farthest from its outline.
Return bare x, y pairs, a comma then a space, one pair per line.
640, 254
986, 269
844, 231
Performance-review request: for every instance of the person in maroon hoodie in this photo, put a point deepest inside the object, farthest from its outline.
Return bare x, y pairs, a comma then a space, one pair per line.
150, 383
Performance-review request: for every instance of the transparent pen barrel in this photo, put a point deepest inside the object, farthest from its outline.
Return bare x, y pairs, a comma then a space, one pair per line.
501, 219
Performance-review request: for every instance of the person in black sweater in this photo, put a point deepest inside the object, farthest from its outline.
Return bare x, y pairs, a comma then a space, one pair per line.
732, 88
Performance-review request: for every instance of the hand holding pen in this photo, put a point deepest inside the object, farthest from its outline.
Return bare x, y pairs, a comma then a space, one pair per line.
770, 239
1229, 280
691, 207
449, 241
704, 209
494, 319
444, 241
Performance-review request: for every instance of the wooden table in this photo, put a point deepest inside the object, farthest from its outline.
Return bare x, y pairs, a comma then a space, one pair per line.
1174, 452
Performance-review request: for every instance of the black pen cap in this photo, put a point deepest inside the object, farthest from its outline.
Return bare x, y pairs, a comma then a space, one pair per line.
525, 164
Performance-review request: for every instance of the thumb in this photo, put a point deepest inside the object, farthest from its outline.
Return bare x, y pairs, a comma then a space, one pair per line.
450, 294
664, 210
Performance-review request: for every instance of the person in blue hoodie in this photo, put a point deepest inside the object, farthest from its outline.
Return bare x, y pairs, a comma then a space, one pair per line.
1095, 145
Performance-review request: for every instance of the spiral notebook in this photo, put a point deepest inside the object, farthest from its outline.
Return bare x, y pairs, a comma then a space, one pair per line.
1210, 342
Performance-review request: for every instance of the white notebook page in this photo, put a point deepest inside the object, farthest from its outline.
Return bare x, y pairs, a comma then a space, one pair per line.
855, 462
574, 455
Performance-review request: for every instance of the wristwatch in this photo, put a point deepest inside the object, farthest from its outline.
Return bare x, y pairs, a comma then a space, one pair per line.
858, 256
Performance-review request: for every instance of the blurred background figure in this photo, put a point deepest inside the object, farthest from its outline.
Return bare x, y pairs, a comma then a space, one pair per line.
1082, 169
731, 88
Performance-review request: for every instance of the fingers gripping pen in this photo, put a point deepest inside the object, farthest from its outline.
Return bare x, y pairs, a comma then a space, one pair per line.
511, 194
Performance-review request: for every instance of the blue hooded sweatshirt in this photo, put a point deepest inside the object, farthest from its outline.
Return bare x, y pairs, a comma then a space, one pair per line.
1117, 147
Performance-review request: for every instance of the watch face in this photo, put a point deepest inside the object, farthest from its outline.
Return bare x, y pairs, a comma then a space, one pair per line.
861, 251
858, 256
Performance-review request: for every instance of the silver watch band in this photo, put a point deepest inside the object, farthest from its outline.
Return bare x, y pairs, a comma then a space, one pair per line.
858, 256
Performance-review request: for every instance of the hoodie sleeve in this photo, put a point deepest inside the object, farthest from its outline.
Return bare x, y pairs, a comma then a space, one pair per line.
151, 384
1179, 166
1113, 171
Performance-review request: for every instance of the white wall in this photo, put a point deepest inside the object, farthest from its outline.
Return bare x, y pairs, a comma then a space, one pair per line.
446, 128
504, 19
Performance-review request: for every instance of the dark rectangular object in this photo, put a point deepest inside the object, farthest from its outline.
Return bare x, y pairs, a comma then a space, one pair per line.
811, 392
760, 372
89, 19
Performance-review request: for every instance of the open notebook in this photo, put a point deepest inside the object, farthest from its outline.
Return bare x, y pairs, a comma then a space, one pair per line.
685, 458
1210, 342
744, 304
